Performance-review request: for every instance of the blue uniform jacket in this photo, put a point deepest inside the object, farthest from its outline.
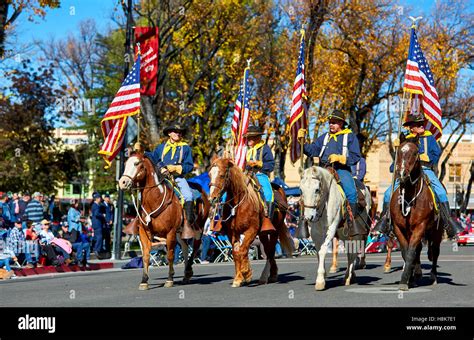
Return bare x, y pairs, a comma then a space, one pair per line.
97, 217
334, 146
359, 170
168, 158
109, 215
434, 151
262, 152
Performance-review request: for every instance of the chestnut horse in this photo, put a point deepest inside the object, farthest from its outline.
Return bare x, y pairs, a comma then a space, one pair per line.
244, 214
160, 213
413, 214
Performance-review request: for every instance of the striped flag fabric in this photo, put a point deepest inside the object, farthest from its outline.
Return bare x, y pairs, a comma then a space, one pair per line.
240, 122
125, 104
419, 83
298, 118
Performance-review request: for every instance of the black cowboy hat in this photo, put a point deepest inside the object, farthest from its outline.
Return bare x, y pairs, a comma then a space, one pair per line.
411, 118
339, 115
253, 131
174, 127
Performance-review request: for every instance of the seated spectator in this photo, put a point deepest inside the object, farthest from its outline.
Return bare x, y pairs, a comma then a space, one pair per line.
32, 242
48, 246
75, 239
6, 256
16, 242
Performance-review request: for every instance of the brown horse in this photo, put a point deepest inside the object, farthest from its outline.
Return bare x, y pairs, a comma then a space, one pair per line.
160, 213
413, 214
243, 214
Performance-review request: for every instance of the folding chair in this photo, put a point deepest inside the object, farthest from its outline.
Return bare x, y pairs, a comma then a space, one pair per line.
131, 239
158, 255
224, 247
308, 247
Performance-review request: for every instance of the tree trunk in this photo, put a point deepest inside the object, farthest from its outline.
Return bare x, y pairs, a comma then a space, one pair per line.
151, 119
3, 21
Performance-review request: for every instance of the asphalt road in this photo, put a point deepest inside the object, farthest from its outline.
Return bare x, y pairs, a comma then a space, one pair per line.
211, 286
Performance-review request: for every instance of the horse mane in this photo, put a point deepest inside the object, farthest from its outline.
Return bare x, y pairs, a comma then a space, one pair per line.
239, 182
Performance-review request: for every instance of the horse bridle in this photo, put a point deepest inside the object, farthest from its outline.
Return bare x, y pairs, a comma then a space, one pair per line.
316, 207
225, 177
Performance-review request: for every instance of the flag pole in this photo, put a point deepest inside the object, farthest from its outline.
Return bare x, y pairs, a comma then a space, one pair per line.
119, 210
400, 118
302, 31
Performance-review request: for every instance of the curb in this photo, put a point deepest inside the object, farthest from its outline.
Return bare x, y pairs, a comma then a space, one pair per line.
63, 269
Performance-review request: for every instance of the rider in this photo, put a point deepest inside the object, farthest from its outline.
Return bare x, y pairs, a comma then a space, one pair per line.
429, 155
340, 148
260, 159
175, 157
359, 169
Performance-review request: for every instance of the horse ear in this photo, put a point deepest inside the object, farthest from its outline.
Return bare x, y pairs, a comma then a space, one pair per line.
402, 138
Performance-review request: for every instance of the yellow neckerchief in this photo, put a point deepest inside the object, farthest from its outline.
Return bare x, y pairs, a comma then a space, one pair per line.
342, 132
172, 146
253, 151
425, 134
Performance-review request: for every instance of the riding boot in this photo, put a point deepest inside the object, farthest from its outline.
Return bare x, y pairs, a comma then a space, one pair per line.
188, 221
383, 226
267, 225
451, 226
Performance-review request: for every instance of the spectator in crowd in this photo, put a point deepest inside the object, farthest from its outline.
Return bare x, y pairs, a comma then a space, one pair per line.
74, 239
257, 243
34, 209
109, 221
32, 241
15, 207
6, 256
45, 203
57, 216
51, 207
84, 238
6, 211
98, 223
206, 242
23, 203
46, 237
16, 242
74, 217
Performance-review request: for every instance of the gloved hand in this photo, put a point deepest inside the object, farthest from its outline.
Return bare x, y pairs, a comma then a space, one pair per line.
164, 171
302, 133
255, 164
178, 169
396, 142
424, 157
337, 158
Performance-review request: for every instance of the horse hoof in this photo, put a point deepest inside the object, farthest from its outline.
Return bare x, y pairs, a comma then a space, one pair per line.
320, 286
362, 266
143, 286
169, 284
262, 282
186, 280
333, 270
236, 284
386, 269
403, 287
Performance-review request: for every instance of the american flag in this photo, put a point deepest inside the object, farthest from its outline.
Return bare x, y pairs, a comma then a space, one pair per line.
298, 109
419, 82
240, 122
126, 103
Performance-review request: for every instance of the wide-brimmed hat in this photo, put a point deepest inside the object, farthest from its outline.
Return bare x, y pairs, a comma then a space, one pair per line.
174, 127
411, 118
339, 115
45, 221
253, 131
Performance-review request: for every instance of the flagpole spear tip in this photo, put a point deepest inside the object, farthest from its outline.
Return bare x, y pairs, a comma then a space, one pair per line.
248, 62
414, 20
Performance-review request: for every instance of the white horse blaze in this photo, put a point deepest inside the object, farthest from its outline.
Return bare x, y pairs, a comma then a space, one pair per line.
130, 168
213, 174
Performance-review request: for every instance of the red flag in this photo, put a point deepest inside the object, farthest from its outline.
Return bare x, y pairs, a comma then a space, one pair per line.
148, 39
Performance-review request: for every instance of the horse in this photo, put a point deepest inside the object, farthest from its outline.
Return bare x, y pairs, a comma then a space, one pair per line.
323, 210
160, 213
244, 213
413, 214
360, 259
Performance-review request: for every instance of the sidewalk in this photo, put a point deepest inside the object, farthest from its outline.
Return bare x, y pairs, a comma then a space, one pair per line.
92, 265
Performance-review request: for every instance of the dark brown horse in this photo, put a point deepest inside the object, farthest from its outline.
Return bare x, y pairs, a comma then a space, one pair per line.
160, 213
244, 214
413, 214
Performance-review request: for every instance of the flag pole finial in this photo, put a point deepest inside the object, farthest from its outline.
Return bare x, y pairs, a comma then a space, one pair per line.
248, 62
138, 49
414, 20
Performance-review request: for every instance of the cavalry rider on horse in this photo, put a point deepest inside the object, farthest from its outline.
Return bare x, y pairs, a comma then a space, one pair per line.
175, 158
260, 160
340, 148
429, 156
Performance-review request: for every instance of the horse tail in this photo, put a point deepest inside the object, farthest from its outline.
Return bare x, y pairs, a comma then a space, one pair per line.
286, 241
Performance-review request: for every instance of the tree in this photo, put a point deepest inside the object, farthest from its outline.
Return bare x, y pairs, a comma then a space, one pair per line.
34, 7
31, 157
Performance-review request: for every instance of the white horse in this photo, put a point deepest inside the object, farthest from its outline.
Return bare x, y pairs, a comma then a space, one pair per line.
323, 210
